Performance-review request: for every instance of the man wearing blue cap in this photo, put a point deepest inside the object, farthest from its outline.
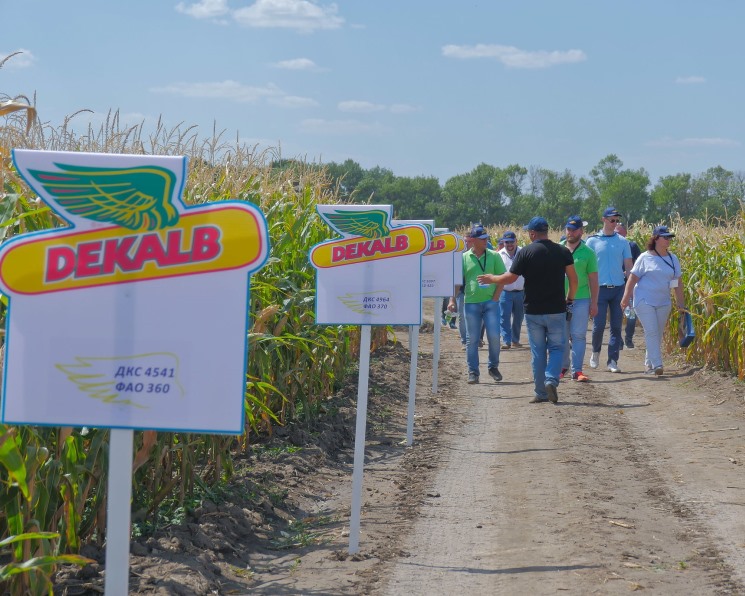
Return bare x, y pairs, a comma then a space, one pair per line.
544, 265
585, 299
614, 258
481, 302
511, 307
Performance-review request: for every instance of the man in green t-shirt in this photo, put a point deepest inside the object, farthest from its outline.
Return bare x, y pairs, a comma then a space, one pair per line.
585, 300
481, 302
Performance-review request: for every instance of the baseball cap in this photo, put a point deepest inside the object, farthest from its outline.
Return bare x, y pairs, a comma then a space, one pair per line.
611, 212
537, 224
509, 236
478, 231
663, 231
575, 222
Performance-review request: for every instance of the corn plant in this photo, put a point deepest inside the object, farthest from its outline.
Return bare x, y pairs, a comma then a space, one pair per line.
713, 262
55, 479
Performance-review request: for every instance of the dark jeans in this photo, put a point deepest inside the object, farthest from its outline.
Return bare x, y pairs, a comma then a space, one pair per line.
609, 301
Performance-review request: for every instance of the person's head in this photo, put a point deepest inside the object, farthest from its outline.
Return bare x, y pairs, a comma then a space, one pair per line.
537, 228
611, 217
509, 240
660, 239
478, 237
574, 229
621, 229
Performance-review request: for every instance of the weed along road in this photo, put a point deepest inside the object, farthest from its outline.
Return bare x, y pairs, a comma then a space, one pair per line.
630, 482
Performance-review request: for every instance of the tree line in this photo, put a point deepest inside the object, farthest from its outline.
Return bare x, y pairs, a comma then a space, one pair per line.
491, 195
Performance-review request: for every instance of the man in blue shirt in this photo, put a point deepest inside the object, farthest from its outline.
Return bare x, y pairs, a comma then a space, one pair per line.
614, 257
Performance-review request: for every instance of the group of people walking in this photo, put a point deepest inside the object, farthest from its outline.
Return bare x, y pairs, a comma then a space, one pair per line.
556, 288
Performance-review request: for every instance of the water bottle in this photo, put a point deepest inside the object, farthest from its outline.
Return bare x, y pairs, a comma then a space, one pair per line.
448, 315
630, 313
570, 310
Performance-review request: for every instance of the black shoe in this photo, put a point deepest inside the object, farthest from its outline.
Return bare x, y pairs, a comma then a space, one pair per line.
553, 396
495, 374
629, 344
473, 378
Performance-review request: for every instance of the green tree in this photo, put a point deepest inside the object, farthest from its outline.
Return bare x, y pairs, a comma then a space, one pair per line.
482, 195
672, 195
611, 185
559, 195
346, 176
718, 193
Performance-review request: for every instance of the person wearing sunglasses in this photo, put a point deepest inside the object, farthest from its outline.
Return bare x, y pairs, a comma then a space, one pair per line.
655, 273
614, 263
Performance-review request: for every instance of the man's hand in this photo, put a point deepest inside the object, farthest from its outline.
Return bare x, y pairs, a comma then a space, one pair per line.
486, 279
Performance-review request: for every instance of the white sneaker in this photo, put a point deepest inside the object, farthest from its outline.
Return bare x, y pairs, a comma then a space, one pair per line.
613, 367
594, 359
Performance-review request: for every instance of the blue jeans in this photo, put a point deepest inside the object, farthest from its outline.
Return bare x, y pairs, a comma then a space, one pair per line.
486, 313
513, 312
547, 337
460, 300
577, 335
609, 299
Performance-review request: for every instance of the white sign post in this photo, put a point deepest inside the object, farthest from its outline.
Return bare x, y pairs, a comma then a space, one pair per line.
438, 276
369, 276
101, 324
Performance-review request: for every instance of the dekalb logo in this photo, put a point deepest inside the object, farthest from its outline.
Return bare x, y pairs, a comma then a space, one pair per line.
205, 240
126, 226
408, 240
368, 236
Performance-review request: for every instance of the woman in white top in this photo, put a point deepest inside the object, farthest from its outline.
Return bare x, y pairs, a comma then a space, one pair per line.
655, 273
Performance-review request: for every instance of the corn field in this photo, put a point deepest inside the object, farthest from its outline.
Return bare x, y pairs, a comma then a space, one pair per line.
53, 487
54, 479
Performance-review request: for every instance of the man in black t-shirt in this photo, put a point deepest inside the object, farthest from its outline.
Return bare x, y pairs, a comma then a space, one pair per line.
544, 265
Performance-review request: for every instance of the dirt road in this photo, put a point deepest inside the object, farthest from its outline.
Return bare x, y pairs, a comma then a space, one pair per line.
630, 483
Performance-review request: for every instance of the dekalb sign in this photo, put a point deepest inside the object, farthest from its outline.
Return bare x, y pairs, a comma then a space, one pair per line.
135, 315
370, 275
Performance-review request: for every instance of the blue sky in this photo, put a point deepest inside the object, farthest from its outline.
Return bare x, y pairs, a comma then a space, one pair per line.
420, 87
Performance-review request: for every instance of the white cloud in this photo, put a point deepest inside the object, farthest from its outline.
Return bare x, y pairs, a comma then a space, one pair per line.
402, 108
694, 142
302, 15
237, 92
204, 9
692, 80
297, 64
367, 107
293, 101
514, 57
23, 59
230, 90
360, 107
340, 127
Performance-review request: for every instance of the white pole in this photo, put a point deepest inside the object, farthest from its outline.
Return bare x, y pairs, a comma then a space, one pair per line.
436, 349
359, 440
118, 512
414, 349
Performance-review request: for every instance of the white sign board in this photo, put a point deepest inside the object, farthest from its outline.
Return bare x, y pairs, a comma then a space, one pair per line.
134, 316
371, 275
